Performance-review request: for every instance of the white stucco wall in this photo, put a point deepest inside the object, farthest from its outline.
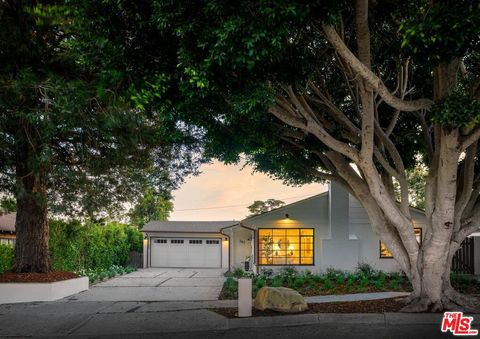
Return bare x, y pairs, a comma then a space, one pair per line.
224, 243
308, 213
369, 242
343, 234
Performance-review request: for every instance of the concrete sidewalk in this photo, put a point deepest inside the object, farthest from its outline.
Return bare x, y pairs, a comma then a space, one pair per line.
81, 318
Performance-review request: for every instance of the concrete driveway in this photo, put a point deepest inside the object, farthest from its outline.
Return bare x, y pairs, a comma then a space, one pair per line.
158, 284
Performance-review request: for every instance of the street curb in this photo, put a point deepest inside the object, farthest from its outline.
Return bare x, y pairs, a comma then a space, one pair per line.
274, 321
386, 319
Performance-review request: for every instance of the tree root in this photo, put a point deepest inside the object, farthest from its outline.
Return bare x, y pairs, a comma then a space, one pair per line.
450, 301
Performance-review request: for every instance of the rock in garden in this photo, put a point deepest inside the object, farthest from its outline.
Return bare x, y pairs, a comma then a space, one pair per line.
280, 299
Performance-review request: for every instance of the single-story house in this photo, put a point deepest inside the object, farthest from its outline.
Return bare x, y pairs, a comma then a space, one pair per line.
330, 229
7, 228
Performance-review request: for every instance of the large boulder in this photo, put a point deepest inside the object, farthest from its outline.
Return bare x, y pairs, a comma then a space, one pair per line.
279, 299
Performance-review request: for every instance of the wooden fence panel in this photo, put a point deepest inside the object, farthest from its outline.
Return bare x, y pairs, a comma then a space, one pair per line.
463, 260
135, 259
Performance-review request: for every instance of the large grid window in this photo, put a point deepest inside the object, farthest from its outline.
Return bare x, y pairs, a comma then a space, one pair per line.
285, 246
385, 252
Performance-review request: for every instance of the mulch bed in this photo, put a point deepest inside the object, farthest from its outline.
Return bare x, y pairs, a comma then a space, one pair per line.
36, 277
365, 306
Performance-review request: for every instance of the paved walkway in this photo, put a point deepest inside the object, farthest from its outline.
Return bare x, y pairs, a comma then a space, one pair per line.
158, 284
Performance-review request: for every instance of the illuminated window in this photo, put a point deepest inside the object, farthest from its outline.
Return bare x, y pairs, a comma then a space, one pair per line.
385, 253
285, 246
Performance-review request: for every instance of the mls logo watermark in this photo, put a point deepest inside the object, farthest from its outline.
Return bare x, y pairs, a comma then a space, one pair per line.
458, 324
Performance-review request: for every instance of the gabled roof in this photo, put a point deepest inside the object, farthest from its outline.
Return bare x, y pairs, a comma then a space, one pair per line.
188, 226
286, 206
7, 222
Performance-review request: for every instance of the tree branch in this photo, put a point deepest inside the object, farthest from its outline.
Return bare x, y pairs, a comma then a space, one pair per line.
369, 77
471, 138
467, 183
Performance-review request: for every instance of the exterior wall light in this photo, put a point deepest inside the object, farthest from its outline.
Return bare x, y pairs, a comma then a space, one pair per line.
287, 216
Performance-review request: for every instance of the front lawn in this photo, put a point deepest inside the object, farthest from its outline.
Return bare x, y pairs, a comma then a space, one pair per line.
364, 279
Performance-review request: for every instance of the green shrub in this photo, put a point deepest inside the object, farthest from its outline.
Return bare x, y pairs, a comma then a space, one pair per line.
277, 282
238, 273
288, 275
299, 282
333, 274
99, 274
379, 281
230, 288
366, 269
351, 278
75, 246
260, 282
6, 258
327, 284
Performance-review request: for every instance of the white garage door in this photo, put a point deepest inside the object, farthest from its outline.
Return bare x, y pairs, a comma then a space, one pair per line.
186, 252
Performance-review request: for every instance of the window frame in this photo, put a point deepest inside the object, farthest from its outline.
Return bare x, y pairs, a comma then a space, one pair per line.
299, 250
391, 257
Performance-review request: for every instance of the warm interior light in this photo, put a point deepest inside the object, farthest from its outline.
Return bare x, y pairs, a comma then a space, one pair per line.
276, 248
291, 248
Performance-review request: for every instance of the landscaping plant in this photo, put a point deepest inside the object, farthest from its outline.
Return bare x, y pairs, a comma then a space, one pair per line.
6, 258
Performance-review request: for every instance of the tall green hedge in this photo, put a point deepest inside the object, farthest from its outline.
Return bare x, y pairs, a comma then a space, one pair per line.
74, 246
6, 257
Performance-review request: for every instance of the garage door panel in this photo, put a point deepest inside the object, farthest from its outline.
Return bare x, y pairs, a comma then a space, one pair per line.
212, 252
186, 252
196, 251
177, 253
158, 250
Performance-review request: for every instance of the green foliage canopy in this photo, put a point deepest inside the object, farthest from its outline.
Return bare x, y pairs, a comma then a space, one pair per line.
259, 206
150, 207
76, 111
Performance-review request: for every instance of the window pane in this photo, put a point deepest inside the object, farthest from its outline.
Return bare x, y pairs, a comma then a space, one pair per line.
306, 231
307, 260
265, 261
285, 246
264, 232
307, 243
292, 233
279, 239
384, 252
279, 261
293, 261
306, 254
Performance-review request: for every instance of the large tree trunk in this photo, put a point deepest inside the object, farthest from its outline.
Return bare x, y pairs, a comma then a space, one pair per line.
31, 248
436, 292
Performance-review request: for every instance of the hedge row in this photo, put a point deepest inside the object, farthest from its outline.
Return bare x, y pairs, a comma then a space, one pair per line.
6, 257
75, 247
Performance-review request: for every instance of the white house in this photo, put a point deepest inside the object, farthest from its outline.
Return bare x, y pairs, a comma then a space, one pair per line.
327, 230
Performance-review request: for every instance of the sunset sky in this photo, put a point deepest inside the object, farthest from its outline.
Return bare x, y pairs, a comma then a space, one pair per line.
232, 189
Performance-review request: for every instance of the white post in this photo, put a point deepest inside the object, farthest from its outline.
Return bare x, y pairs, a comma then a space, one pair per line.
244, 297
145, 251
